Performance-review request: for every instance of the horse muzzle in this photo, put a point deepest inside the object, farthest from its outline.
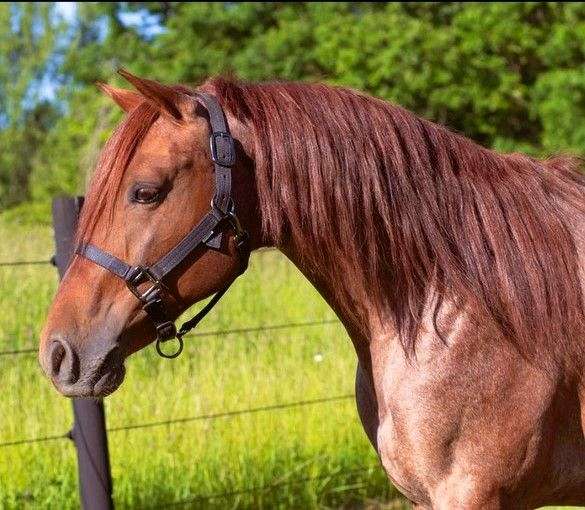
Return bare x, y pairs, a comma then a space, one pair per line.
83, 373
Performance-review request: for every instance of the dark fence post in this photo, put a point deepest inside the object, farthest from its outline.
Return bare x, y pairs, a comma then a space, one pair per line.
89, 427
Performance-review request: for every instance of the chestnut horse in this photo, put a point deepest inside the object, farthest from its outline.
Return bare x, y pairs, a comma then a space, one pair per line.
458, 272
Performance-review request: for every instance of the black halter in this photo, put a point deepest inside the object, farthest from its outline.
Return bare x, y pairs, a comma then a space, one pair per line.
208, 232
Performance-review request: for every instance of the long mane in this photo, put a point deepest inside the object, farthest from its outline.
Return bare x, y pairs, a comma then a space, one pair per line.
405, 207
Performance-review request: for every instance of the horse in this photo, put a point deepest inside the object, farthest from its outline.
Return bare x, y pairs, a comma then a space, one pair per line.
458, 272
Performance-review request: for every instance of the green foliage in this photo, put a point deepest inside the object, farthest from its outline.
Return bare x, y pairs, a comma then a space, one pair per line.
73, 146
28, 214
27, 40
505, 74
509, 75
100, 43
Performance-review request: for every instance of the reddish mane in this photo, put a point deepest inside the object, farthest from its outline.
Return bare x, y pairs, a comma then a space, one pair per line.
402, 206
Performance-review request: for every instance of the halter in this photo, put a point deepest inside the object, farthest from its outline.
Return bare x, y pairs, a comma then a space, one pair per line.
207, 233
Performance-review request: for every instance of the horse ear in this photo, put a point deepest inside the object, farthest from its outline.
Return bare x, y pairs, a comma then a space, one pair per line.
172, 102
125, 99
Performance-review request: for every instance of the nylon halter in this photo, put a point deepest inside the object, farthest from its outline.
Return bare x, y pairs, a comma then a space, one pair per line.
207, 233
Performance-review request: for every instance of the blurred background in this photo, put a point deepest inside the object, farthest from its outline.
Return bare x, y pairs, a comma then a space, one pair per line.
508, 75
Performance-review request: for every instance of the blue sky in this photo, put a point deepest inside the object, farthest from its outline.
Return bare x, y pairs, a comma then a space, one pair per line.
67, 10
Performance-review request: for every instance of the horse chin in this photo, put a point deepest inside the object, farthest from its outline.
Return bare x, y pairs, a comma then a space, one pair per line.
100, 385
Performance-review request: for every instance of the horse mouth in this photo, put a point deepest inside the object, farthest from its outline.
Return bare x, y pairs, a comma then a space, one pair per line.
94, 382
109, 382
110, 374
104, 385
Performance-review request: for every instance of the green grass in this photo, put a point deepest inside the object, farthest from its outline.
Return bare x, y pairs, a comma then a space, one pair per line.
194, 459
200, 458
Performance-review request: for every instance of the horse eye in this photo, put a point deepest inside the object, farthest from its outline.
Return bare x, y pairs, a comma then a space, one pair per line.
145, 195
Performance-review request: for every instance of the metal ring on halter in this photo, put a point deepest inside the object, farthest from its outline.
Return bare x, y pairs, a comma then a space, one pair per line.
169, 356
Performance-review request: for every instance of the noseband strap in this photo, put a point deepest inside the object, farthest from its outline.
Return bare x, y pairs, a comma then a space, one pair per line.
207, 233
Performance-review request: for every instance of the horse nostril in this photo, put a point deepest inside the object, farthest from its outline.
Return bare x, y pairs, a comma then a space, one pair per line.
64, 362
57, 354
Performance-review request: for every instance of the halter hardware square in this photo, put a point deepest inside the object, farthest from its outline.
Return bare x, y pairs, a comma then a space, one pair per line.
223, 151
139, 275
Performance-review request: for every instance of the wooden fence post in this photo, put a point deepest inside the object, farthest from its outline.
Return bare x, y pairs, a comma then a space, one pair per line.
89, 426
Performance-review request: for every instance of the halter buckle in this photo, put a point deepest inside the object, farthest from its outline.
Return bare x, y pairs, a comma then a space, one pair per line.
240, 235
139, 275
223, 151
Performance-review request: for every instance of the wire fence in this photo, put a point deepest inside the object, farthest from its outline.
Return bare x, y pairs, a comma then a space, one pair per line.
225, 332
41, 439
280, 406
16, 352
201, 417
264, 488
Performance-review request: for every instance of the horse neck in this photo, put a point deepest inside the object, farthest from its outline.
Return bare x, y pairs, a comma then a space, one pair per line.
250, 215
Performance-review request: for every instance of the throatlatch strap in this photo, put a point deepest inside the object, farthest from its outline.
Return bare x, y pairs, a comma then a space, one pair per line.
192, 323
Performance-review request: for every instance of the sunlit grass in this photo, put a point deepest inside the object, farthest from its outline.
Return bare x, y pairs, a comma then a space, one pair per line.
201, 458
278, 450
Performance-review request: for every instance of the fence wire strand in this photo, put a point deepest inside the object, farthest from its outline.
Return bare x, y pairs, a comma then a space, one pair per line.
269, 327
201, 417
42, 439
25, 263
18, 351
224, 332
264, 488
229, 414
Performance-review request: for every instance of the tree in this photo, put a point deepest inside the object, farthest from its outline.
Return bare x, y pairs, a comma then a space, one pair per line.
509, 75
27, 40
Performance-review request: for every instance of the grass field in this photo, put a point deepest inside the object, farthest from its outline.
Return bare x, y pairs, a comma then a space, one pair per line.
194, 459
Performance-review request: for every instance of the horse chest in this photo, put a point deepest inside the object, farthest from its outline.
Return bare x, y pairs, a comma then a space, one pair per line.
414, 428
470, 419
